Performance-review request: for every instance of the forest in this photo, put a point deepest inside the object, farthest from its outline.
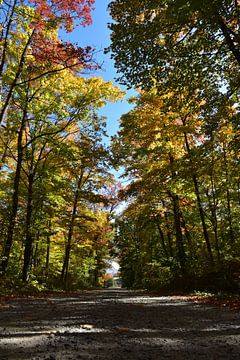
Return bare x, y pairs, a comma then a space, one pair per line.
178, 147
56, 187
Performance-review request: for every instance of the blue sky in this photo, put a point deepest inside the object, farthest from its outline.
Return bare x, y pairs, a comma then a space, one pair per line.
97, 35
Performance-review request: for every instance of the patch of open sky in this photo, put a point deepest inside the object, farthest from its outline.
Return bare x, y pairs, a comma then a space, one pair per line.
97, 36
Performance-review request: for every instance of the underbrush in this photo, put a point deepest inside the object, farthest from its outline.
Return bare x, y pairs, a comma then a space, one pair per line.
223, 278
10, 285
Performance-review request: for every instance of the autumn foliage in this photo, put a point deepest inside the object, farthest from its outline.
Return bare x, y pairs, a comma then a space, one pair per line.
179, 145
54, 169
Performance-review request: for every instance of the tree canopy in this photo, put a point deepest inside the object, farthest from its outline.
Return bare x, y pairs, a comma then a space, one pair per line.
156, 43
179, 144
55, 168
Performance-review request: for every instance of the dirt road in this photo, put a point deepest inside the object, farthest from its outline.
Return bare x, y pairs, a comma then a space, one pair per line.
116, 325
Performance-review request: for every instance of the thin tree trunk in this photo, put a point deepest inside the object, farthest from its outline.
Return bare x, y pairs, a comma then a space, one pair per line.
97, 262
199, 202
14, 207
169, 237
229, 210
162, 238
177, 223
202, 217
5, 154
188, 236
64, 273
14, 83
178, 232
35, 256
214, 222
29, 237
214, 217
48, 246
229, 41
238, 192
5, 42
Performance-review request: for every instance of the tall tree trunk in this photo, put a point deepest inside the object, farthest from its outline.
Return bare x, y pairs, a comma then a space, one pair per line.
97, 264
199, 202
35, 254
64, 273
229, 210
233, 46
213, 207
48, 246
29, 236
178, 232
202, 217
238, 192
4, 154
188, 236
177, 222
162, 238
15, 195
169, 237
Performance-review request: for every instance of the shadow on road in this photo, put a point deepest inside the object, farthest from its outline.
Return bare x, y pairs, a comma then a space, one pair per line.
116, 324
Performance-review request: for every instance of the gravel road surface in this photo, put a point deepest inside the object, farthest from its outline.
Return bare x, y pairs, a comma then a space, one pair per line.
116, 325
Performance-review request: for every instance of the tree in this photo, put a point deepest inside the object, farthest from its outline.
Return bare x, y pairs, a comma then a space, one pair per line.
46, 122
182, 56
31, 50
30, 45
87, 173
176, 190
168, 43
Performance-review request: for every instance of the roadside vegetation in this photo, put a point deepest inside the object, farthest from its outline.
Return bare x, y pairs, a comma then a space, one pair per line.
178, 148
179, 145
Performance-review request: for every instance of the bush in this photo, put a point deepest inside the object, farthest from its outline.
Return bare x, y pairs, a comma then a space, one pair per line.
156, 276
